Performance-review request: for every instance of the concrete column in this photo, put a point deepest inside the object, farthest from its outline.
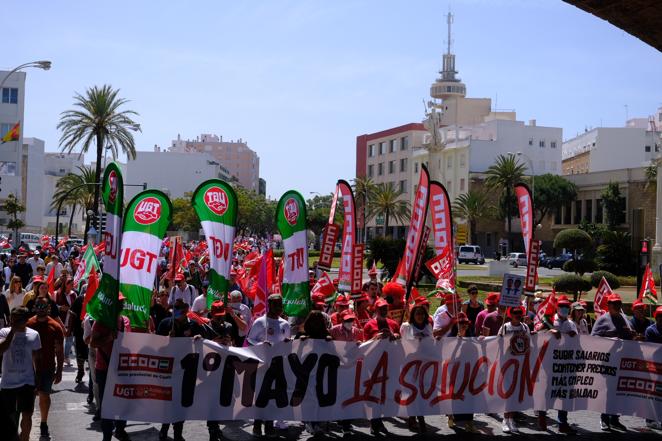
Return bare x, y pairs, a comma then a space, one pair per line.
657, 248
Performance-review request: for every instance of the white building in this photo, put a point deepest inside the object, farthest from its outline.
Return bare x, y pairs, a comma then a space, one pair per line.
57, 165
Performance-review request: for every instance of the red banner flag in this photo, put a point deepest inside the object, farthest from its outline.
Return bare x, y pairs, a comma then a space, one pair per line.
648, 291
262, 285
357, 268
419, 212
324, 285
347, 254
532, 266
525, 205
441, 268
329, 238
174, 257
546, 307
92, 286
442, 220
600, 299
50, 281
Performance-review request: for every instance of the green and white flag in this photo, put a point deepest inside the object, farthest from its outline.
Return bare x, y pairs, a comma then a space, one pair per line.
291, 222
104, 306
145, 224
215, 202
87, 263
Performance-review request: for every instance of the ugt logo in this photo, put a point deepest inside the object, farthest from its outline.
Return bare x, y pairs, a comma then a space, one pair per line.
113, 184
291, 210
216, 200
147, 211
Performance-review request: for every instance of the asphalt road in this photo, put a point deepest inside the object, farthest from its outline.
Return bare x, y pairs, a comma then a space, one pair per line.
71, 420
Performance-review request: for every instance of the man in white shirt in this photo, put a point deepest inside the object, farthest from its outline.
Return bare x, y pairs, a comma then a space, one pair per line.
35, 261
241, 315
182, 290
444, 317
20, 348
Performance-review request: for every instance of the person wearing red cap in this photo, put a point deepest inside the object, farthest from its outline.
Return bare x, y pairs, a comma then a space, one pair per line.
319, 304
101, 340
361, 305
653, 334
347, 329
462, 420
514, 326
639, 322
444, 317
491, 302
341, 304
614, 324
182, 291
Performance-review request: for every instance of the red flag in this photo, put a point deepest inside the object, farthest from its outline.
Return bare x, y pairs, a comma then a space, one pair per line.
346, 271
92, 286
100, 248
525, 204
419, 213
648, 292
547, 307
324, 286
197, 318
442, 220
600, 299
262, 286
174, 257
50, 281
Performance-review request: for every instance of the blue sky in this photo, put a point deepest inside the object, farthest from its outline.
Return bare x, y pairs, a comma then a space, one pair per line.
299, 80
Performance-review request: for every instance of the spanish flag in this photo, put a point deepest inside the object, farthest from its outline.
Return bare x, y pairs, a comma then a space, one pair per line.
12, 135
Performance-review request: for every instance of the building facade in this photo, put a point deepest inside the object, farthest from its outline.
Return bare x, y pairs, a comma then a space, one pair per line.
242, 162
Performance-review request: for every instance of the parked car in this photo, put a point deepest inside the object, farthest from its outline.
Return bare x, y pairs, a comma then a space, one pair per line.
471, 253
558, 261
516, 259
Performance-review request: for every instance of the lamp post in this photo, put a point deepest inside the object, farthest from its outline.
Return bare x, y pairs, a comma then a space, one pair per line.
44, 64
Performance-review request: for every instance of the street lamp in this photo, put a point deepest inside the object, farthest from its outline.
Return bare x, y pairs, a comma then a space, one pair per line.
43, 64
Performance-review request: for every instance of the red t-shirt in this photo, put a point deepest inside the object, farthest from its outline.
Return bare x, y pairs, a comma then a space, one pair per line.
372, 327
51, 335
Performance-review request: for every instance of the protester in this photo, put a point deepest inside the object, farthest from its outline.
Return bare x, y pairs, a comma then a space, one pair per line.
64, 299
159, 309
75, 329
102, 339
494, 321
319, 303
491, 302
473, 306
240, 316
35, 260
417, 328
55, 265
639, 322
341, 304
653, 334
445, 316
577, 316
347, 329
612, 324
182, 291
361, 305
19, 347
514, 326
49, 365
15, 294
23, 270
93, 387
462, 420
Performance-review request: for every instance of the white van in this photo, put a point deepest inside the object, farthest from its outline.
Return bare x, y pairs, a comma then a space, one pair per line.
471, 253
32, 240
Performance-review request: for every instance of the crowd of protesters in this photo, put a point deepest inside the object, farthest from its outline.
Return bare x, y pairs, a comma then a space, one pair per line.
42, 328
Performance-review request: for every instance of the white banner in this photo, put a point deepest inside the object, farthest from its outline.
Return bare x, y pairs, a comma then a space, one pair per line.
219, 239
157, 379
296, 267
138, 261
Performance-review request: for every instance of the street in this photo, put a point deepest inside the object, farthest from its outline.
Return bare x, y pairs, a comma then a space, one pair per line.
71, 419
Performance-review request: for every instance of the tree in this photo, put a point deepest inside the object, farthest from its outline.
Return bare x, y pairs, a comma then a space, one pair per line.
612, 280
318, 209
257, 214
615, 253
72, 187
184, 217
364, 188
551, 193
472, 206
12, 206
97, 119
388, 201
572, 284
502, 176
614, 205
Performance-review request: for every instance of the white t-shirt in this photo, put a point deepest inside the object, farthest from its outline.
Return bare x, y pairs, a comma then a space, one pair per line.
564, 327
188, 294
17, 367
441, 319
34, 263
199, 304
244, 312
268, 329
509, 328
411, 332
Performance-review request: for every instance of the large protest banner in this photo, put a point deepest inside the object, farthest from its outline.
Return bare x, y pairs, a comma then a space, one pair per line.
157, 379
215, 203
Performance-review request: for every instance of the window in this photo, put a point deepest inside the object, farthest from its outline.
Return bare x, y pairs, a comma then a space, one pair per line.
588, 211
391, 146
578, 212
403, 165
391, 167
7, 168
403, 186
371, 150
557, 215
371, 170
567, 213
552, 144
9, 95
415, 167
598, 211
541, 166
462, 159
4, 128
530, 141
552, 165
462, 184
404, 143
647, 149
449, 162
541, 143
380, 169
382, 148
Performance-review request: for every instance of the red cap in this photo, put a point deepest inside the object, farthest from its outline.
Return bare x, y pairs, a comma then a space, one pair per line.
347, 314
381, 302
342, 300
462, 317
218, 309
614, 298
121, 297
37, 279
515, 308
372, 271
638, 304
421, 301
362, 298
492, 298
658, 311
563, 301
318, 297
179, 277
452, 298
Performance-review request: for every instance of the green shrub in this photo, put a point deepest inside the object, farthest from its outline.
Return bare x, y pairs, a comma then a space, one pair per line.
571, 284
573, 239
612, 280
579, 266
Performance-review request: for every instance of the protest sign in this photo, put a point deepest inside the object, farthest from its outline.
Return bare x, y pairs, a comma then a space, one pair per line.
511, 290
160, 379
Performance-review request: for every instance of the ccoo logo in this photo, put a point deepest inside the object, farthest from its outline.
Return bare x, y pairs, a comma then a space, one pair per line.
216, 200
113, 184
147, 211
291, 210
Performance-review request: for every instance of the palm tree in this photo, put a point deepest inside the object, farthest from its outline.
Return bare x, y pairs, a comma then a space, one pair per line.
364, 187
80, 197
472, 206
98, 118
387, 200
502, 176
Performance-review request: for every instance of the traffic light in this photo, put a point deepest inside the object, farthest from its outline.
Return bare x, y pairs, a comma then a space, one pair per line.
644, 258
